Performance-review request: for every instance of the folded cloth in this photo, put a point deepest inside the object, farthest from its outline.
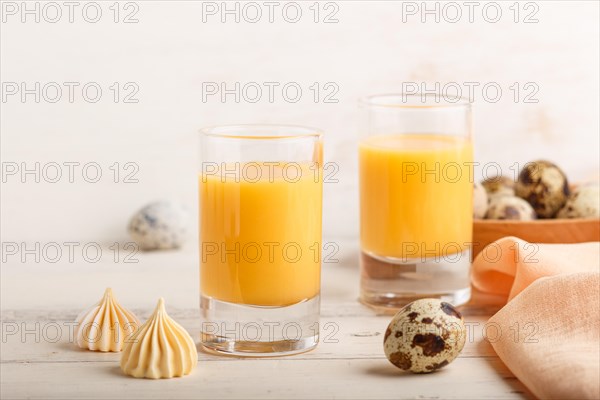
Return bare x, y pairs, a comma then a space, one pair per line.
548, 334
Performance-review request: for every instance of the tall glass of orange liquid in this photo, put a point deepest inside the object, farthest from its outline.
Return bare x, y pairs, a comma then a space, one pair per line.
260, 195
416, 191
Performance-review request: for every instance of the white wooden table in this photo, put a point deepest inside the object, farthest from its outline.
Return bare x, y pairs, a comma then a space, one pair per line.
38, 299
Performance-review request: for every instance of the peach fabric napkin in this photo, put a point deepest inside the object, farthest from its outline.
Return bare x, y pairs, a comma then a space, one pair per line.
549, 332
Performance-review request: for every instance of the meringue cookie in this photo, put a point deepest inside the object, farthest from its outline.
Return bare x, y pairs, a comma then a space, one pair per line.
161, 348
106, 325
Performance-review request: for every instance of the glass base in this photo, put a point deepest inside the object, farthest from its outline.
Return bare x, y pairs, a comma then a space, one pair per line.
388, 284
255, 331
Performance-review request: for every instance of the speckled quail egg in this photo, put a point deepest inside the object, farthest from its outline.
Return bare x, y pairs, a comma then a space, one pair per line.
160, 225
499, 186
510, 207
584, 202
424, 336
480, 201
544, 186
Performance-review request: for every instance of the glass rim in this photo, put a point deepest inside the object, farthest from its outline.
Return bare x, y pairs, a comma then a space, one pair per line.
235, 131
394, 100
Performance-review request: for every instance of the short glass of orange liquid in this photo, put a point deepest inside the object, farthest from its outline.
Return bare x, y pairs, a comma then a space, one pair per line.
260, 195
416, 199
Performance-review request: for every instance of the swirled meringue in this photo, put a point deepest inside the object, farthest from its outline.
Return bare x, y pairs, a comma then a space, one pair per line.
161, 348
106, 325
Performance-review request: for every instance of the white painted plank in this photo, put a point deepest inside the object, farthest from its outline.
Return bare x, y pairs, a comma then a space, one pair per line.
349, 364
30, 337
468, 378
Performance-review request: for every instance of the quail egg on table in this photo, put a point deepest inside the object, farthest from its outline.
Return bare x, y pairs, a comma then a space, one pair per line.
584, 202
499, 186
160, 225
544, 186
424, 336
480, 201
510, 207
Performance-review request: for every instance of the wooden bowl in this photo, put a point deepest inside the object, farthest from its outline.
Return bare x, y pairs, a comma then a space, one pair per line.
539, 231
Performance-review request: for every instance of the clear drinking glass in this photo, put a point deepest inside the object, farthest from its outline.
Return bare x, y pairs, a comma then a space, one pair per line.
416, 199
260, 193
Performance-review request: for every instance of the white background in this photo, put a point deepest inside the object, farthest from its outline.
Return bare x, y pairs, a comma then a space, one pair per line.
170, 52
